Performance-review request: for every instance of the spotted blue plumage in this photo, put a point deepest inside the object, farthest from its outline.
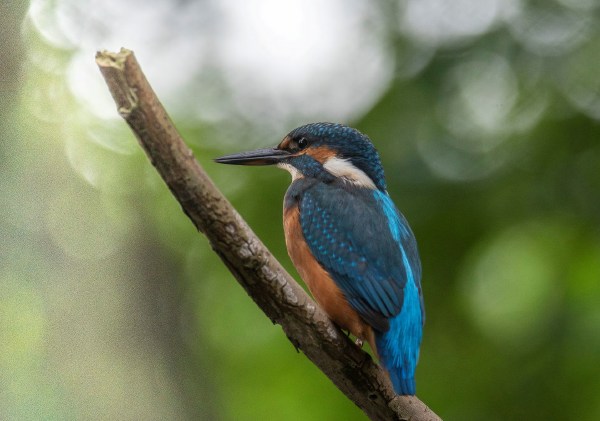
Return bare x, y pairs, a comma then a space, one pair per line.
375, 263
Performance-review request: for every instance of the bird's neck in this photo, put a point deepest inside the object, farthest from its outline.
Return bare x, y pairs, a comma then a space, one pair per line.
304, 166
332, 170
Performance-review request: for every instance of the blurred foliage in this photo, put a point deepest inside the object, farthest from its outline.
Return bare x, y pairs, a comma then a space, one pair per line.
485, 113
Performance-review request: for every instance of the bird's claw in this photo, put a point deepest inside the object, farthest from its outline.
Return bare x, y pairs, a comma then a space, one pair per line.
358, 342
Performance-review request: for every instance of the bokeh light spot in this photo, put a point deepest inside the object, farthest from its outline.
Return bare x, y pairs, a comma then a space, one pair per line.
551, 30
579, 80
511, 287
485, 90
436, 22
244, 53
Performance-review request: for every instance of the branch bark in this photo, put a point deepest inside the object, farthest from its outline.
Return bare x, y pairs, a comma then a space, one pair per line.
270, 286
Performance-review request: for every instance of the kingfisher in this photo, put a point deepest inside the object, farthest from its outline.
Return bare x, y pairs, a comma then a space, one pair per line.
351, 246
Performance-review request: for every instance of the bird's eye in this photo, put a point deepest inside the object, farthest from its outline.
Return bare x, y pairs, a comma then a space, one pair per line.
302, 143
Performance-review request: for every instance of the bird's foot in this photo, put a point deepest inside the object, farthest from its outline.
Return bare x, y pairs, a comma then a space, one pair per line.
358, 342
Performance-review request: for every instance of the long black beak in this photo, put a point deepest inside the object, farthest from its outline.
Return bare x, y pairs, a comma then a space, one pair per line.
267, 156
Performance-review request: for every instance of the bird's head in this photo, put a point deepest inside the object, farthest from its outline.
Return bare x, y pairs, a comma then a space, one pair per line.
321, 150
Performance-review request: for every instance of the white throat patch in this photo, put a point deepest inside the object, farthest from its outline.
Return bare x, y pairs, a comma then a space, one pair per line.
345, 170
292, 170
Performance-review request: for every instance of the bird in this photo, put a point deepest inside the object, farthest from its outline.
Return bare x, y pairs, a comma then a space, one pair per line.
349, 243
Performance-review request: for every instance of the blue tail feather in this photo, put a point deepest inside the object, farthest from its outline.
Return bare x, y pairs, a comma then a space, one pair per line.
398, 348
402, 386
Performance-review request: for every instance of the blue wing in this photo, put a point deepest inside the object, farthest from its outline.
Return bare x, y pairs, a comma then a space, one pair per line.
365, 244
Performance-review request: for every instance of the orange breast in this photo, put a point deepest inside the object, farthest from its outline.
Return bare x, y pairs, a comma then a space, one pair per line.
319, 282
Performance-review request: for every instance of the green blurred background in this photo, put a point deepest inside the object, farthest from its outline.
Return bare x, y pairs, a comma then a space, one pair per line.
486, 114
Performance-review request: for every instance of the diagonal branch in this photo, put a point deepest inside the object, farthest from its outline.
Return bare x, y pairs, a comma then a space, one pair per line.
270, 286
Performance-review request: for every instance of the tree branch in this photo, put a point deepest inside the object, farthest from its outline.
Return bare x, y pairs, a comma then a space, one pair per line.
270, 286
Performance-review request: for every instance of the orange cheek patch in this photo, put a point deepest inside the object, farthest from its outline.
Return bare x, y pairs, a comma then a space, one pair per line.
321, 153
